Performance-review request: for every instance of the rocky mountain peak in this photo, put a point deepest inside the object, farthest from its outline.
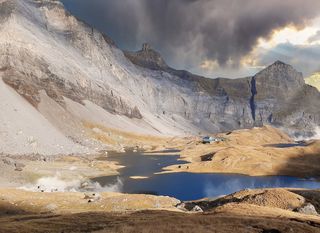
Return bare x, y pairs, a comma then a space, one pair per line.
146, 47
280, 66
280, 63
147, 58
280, 75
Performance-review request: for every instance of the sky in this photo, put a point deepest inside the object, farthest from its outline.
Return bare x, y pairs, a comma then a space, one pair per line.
214, 38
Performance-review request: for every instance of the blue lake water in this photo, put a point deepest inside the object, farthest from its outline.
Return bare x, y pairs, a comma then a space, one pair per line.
187, 186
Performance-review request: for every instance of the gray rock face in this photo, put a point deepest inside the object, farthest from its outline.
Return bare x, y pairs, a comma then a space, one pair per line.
283, 99
28, 84
56, 88
308, 209
148, 58
277, 95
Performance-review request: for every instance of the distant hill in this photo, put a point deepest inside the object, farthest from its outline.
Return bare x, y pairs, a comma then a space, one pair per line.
314, 80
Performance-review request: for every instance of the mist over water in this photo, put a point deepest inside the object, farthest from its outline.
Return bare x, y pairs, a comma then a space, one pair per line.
316, 136
58, 184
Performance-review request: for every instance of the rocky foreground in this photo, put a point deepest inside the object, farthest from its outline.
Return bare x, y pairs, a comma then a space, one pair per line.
269, 210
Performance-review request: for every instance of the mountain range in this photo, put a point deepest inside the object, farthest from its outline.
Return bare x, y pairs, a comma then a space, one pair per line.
61, 80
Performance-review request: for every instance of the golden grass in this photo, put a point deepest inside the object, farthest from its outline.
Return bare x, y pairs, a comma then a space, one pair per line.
252, 152
250, 215
113, 136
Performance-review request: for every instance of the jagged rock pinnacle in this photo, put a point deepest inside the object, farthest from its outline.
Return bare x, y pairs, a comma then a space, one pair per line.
146, 47
147, 58
278, 62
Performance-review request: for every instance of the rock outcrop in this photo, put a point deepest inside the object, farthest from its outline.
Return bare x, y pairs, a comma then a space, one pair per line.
147, 57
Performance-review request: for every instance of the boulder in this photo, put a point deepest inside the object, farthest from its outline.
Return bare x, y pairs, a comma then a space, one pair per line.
308, 208
19, 166
197, 209
92, 197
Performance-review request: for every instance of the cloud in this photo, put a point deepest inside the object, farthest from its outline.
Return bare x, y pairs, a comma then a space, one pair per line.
209, 65
315, 38
237, 183
304, 58
188, 32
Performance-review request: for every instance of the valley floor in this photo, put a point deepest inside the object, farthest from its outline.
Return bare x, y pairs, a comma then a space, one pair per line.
262, 151
256, 152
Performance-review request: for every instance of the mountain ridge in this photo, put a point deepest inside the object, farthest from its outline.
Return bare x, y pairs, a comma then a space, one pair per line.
285, 81
71, 73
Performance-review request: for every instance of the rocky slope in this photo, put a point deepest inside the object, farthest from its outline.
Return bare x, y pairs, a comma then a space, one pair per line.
61, 76
67, 73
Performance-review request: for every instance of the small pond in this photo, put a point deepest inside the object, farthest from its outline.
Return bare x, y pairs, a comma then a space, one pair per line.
186, 186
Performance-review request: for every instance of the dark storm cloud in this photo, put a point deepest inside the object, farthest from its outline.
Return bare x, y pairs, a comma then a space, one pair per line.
187, 32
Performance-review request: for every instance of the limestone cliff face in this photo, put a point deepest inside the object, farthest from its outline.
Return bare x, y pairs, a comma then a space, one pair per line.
277, 95
28, 71
61, 65
283, 99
